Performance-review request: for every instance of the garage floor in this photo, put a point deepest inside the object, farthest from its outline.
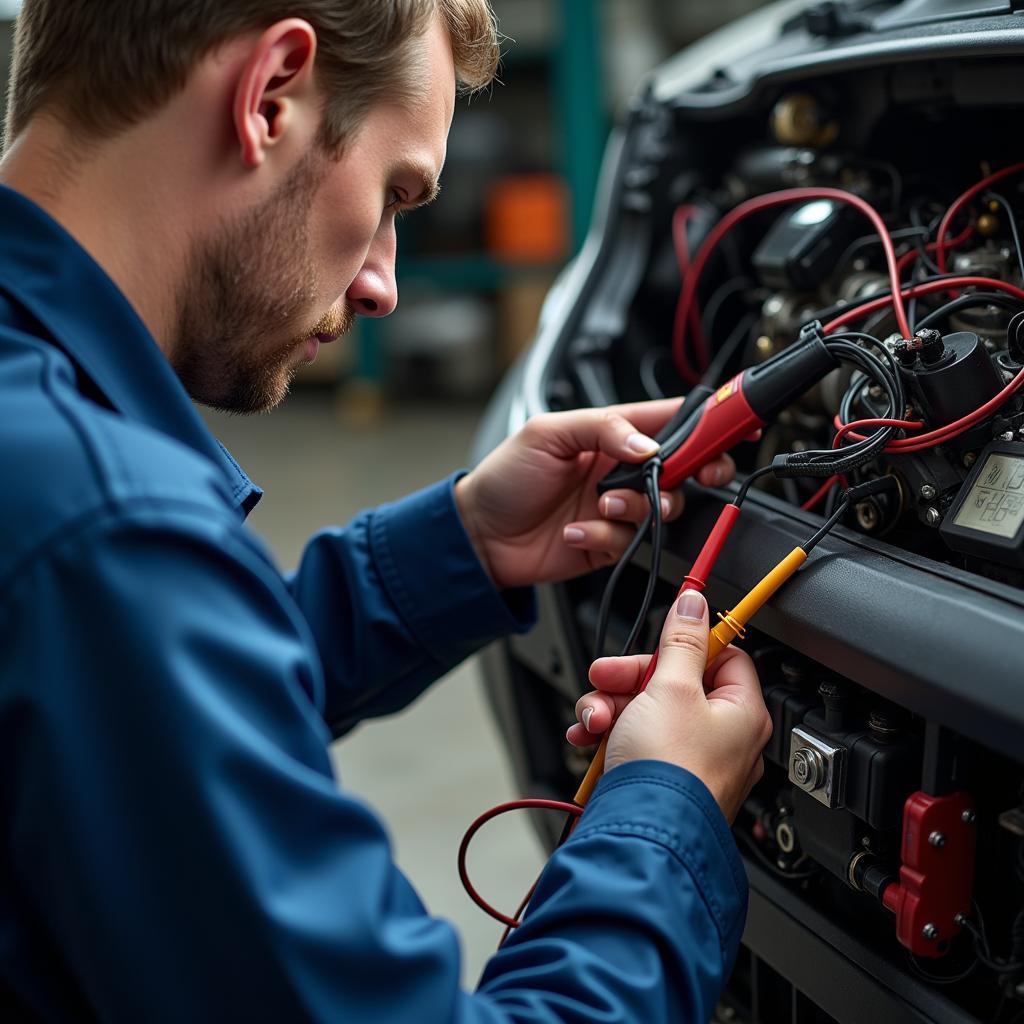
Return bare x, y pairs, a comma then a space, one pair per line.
432, 769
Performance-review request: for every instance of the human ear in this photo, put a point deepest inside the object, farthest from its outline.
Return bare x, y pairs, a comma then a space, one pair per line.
276, 75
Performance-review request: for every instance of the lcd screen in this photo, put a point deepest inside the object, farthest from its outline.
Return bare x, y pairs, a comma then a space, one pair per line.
996, 502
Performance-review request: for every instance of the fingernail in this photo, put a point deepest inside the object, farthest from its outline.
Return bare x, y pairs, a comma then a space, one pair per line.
690, 606
641, 444
666, 506
615, 506
573, 535
588, 713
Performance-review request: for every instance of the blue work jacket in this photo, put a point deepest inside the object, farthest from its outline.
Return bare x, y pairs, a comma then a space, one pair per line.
175, 846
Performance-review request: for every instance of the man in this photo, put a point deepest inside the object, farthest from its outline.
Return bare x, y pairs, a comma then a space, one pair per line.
197, 194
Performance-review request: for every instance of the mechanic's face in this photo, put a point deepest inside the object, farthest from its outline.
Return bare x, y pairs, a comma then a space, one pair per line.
263, 292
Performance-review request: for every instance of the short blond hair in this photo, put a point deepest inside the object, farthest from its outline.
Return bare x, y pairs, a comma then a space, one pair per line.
101, 67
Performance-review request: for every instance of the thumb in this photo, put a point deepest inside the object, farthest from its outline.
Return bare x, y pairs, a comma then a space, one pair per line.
683, 655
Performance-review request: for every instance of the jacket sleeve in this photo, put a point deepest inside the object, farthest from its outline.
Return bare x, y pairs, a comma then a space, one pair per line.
180, 849
396, 599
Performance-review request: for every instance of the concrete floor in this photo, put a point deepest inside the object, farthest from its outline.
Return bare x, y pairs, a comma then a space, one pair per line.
432, 769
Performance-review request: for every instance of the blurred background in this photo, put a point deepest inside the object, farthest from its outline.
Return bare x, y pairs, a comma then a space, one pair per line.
393, 407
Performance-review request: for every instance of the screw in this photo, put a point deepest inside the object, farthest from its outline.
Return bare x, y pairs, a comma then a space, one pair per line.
937, 839
930, 932
967, 817
933, 517
970, 458
927, 492
960, 920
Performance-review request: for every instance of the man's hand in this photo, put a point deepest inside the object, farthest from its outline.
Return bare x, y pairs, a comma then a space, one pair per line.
531, 507
712, 723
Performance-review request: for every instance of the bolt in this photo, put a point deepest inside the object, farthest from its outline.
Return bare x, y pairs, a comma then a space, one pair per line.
960, 920
772, 306
927, 492
1006, 435
765, 346
808, 768
930, 932
937, 839
967, 817
875, 391
933, 517
970, 458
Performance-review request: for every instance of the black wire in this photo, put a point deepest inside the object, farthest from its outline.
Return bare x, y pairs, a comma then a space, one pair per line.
747, 483
613, 581
717, 299
827, 527
1008, 210
728, 349
654, 497
652, 472
967, 301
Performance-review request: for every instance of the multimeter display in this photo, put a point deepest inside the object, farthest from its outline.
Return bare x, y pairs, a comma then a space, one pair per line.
995, 504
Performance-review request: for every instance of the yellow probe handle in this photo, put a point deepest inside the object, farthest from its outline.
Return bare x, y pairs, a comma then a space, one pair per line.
725, 631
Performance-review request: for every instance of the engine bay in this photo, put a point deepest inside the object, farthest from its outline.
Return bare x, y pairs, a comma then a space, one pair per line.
887, 836
957, 476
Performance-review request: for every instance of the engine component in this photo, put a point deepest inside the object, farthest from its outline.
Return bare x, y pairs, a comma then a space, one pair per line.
817, 767
948, 376
936, 874
987, 517
800, 119
804, 245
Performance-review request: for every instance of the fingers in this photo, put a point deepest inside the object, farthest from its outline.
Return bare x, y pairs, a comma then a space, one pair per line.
632, 506
596, 713
648, 417
617, 680
717, 473
619, 675
604, 541
684, 648
566, 434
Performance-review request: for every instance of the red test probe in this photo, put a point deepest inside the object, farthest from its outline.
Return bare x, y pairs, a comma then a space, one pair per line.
711, 422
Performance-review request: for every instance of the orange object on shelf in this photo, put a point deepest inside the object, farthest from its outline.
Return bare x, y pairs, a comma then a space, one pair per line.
526, 219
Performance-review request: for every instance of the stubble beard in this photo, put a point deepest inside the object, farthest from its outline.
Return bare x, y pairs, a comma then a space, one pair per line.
245, 288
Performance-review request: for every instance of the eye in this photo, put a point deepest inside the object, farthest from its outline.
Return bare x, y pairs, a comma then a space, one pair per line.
394, 199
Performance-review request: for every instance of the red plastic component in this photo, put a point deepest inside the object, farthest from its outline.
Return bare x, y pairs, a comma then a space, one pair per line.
698, 576
937, 874
727, 419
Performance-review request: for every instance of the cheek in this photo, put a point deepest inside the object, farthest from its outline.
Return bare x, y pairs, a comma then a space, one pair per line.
344, 227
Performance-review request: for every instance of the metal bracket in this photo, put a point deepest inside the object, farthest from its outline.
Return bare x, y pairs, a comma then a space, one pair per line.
817, 767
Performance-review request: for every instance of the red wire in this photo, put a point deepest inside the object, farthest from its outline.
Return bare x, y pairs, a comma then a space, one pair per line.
847, 428
767, 202
531, 803
959, 203
917, 291
680, 220
820, 493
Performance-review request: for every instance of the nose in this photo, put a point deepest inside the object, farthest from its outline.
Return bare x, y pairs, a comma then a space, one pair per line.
374, 291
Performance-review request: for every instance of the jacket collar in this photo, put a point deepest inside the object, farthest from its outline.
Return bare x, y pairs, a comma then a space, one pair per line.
48, 273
